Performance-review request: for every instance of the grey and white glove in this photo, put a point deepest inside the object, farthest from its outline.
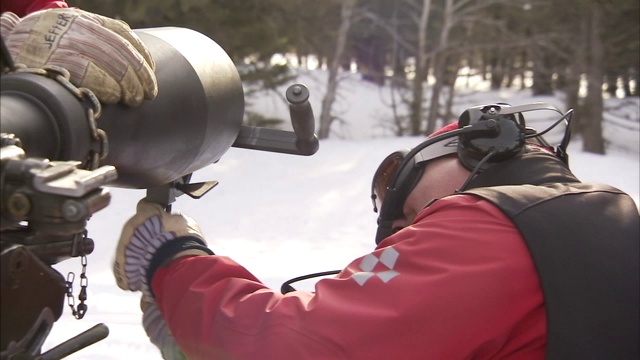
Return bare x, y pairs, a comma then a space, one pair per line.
151, 238
158, 331
101, 54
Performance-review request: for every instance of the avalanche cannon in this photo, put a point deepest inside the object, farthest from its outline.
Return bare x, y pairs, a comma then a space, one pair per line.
60, 149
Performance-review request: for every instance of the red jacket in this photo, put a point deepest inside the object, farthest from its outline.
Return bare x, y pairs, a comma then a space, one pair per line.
457, 284
24, 7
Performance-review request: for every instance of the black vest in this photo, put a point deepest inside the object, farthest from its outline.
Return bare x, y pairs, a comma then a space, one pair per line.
585, 243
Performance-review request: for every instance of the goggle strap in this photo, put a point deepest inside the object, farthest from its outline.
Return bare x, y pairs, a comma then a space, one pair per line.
436, 151
408, 159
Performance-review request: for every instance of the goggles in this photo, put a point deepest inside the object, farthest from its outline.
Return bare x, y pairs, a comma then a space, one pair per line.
397, 175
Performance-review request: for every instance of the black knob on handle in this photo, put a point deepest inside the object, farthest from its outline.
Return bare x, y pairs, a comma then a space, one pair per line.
302, 118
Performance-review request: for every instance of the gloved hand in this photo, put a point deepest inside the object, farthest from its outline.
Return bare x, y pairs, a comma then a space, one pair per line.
158, 331
151, 238
101, 54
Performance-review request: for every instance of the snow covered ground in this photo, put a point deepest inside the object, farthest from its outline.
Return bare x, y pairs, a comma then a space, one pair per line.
282, 215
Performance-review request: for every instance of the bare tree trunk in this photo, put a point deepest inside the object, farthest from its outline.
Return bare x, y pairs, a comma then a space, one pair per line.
398, 67
421, 70
497, 68
451, 77
593, 109
448, 114
326, 117
572, 89
542, 72
439, 67
573, 75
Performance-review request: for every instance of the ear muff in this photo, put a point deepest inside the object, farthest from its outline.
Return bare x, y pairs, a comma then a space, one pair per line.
507, 141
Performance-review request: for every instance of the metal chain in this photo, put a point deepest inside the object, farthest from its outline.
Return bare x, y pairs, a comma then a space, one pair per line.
94, 110
81, 310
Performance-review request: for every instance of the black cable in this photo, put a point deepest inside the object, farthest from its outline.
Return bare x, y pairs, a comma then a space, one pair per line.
561, 149
568, 115
476, 169
286, 286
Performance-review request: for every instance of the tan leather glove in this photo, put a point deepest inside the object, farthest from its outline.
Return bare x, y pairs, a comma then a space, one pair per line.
102, 54
151, 238
158, 331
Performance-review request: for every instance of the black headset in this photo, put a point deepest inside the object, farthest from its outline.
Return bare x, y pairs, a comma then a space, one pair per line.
487, 134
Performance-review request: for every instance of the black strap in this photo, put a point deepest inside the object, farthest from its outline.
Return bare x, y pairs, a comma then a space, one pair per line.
171, 248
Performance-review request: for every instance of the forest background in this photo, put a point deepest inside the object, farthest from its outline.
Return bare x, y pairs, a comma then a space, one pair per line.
582, 51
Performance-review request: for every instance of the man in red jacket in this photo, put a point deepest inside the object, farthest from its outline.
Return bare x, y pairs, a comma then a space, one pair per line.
467, 265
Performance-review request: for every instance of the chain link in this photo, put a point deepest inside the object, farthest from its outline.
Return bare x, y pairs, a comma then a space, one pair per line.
79, 311
94, 110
